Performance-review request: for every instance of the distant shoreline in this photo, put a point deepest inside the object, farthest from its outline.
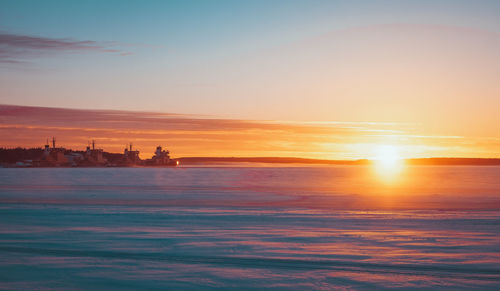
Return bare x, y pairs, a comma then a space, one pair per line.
22, 157
284, 160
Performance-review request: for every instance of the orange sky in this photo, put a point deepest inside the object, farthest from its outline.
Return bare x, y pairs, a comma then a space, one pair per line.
187, 135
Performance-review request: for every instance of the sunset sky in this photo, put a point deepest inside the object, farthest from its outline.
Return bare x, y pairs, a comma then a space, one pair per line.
317, 79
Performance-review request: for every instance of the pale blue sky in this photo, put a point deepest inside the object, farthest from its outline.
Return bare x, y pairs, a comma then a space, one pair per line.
280, 60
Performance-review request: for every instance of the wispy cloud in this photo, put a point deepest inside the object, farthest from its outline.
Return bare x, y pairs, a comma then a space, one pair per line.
18, 48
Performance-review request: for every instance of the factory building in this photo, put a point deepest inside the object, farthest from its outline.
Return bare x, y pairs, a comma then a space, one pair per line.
131, 157
52, 156
94, 156
161, 157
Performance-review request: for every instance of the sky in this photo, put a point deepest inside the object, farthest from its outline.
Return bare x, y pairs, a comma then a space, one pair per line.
420, 75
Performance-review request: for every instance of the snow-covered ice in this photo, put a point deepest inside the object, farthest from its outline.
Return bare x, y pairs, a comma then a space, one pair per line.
249, 227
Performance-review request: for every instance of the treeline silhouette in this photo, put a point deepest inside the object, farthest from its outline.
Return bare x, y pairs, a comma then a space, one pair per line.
11, 156
291, 160
14, 155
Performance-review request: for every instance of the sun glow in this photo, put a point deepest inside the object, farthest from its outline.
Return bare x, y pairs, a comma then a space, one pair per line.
388, 162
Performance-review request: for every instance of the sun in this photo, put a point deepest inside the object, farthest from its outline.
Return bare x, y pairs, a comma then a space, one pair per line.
387, 156
388, 162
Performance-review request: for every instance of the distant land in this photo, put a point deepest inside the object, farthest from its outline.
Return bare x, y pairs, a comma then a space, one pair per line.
12, 156
286, 160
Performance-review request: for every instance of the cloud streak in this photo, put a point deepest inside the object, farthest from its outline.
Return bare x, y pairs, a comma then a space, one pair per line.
18, 48
192, 135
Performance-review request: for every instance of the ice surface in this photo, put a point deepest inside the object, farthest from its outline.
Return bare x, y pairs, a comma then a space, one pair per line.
249, 228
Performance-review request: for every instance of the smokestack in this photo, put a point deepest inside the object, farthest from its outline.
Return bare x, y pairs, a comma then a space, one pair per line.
130, 146
93, 144
53, 142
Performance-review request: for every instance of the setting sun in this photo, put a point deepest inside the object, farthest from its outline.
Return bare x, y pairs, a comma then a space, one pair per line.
388, 162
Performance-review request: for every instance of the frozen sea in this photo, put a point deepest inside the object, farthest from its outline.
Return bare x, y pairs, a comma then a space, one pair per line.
303, 228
